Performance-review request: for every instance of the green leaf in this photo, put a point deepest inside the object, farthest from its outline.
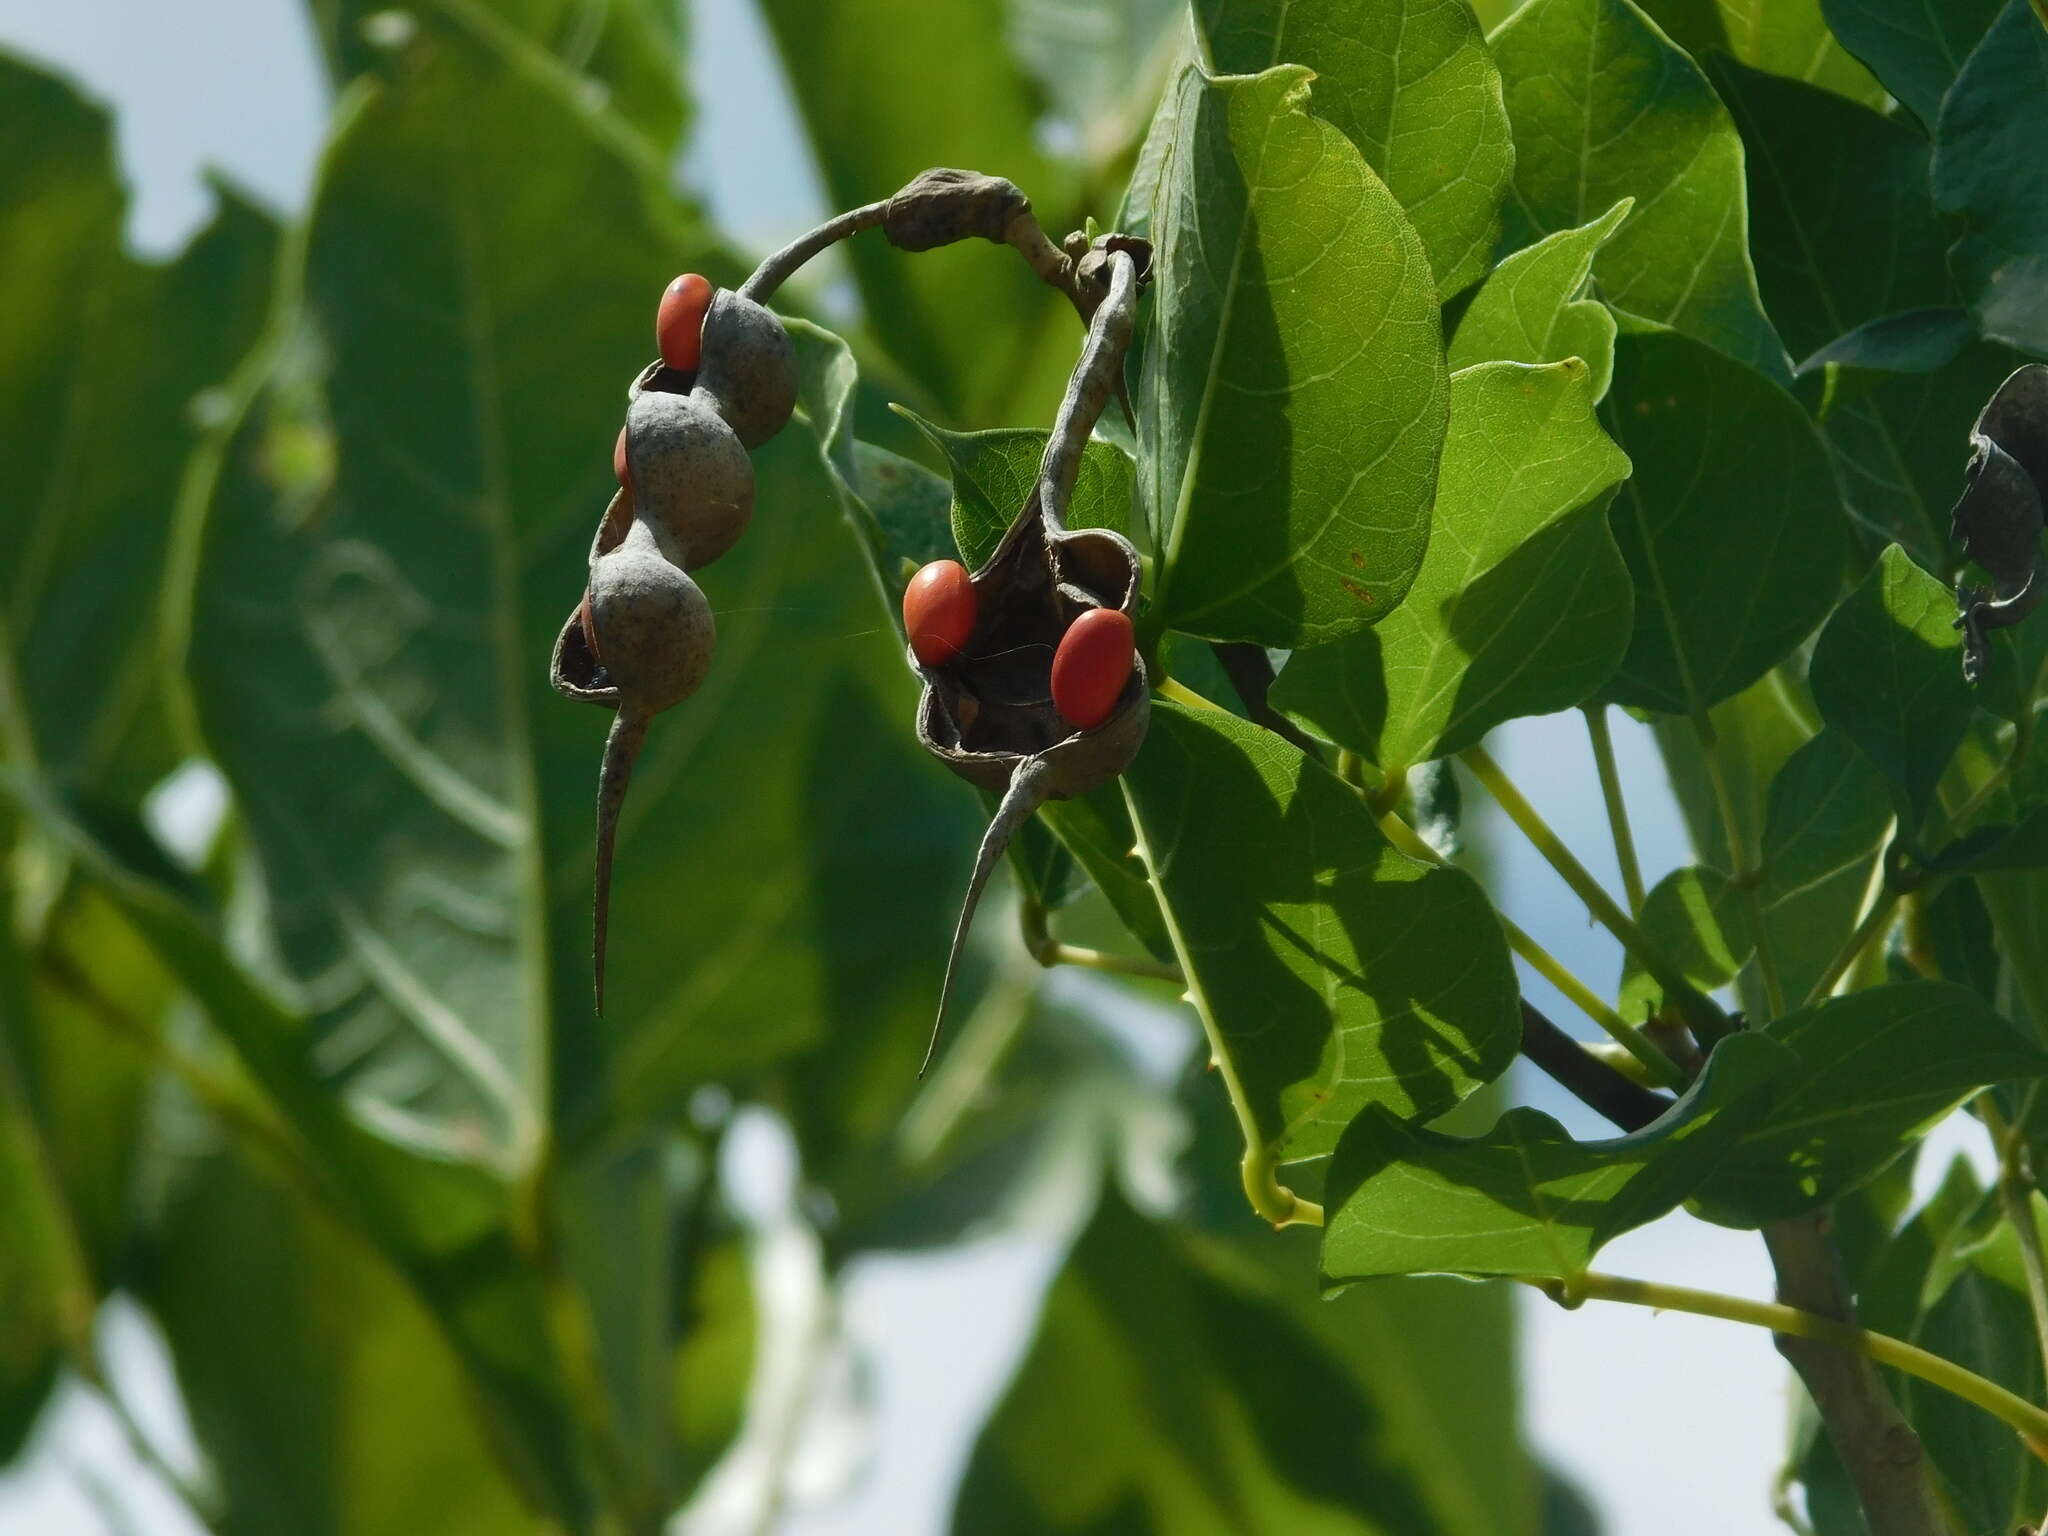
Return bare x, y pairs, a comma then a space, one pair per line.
1336, 972
1293, 396
39, 1269
1421, 100
1785, 37
1522, 605
1894, 440
324, 1386
885, 93
1915, 48
1872, 1071
92, 454
1167, 1392
1604, 107
1529, 309
1697, 918
1834, 251
1911, 341
1525, 1199
1983, 1322
1436, 1355
1993, 122
1827, 819
1096, 830
995, 472
443, 1222
1730, 524
1885, 673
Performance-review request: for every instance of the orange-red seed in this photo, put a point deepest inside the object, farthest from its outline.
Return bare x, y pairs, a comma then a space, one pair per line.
938, 611
1092, 665
619, 466
679, 323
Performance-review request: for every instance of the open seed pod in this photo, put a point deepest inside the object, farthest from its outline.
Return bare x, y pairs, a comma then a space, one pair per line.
1997, 521
988, 714
746, 371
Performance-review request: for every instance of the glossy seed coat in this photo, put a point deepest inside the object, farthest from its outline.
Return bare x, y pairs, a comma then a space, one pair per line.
624, 474
938, 612
679, 323
1092, 665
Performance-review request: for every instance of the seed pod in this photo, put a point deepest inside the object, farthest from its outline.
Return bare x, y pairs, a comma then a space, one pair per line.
748, 372
653, 630
691, 480
943, 205
1997, 521
987, 713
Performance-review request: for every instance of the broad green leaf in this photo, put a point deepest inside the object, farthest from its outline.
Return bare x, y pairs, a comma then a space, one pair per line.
1438, 1355
1730, 524
442, 1222
630, 53
1096, 830
885, 93
1828, 816
1834, 251
1895, 440
1911, 341
92, 453
1522, 605
1165, 1392
1993, 122
1525, 1199
1411, 83
1697, 918
1872, 1071
40, 1277
1915, 48
323, 1394
1982, 1320
1885, 673
1529, 310
995, 472
1754, 734
1336, 972
80, 1039
1604, 107
1785, 37
1293, 396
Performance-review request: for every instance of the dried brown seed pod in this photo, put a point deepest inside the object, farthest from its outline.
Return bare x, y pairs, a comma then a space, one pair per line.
748, 370
943, 205
691, 480
987, 713
1997, 521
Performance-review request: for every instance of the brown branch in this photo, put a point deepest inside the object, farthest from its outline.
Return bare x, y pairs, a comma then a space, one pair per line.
1585, 1076
1877, 1447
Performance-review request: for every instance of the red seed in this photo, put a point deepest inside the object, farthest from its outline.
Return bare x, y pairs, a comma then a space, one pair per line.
938, 611
679, 323
589, 628
619, 466
1092, 665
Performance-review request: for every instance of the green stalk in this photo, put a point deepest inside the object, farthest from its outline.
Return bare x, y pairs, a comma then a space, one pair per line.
1617, 808
1574, 874
2029, 1422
